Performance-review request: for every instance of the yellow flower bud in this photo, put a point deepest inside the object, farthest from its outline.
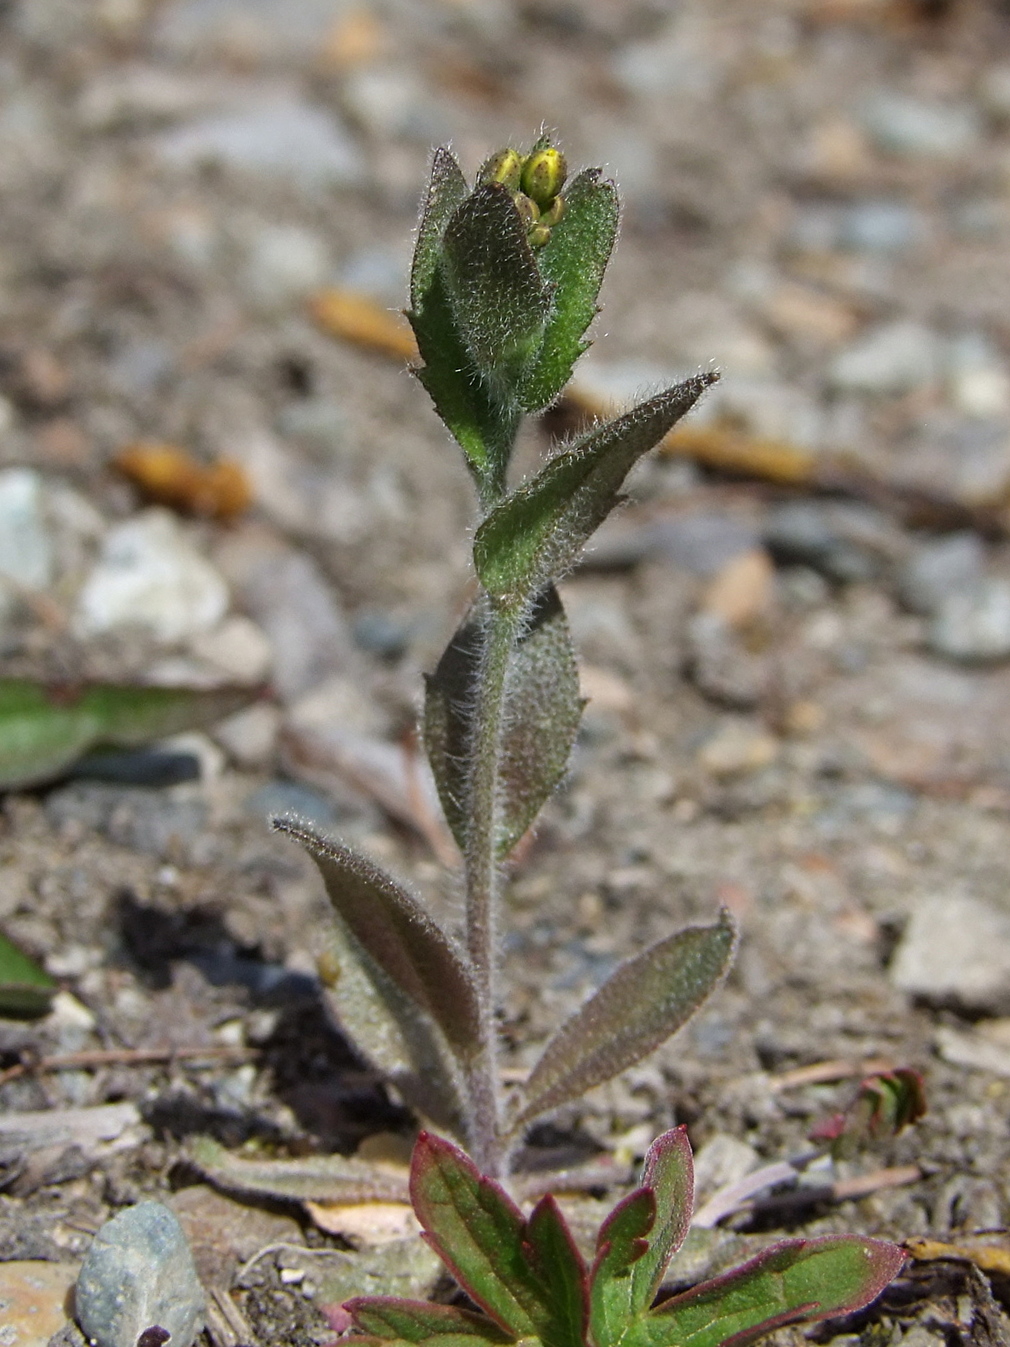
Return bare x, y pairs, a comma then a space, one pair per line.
505, 167
528, 210
538, 235
543, 175
552, 216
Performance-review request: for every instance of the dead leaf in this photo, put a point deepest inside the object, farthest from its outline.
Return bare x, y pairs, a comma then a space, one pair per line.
365, 1223
360, 320
171, 476
989, 1251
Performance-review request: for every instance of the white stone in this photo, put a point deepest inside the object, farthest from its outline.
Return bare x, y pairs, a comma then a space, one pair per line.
26, 548
238, 647
895, 358
956, 950
150, 575
284, 263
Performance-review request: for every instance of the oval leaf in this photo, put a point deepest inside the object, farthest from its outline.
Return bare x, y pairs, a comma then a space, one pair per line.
309, 1178
541, 719
646, 1000
668, 1174
797, 1281
536, 534
446, 191
573, 261
26, 990
398, 934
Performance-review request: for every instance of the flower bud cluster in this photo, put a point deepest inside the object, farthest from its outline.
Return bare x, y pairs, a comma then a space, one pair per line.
535, 181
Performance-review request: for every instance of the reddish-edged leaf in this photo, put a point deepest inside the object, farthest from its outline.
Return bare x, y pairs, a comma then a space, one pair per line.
541, 718
797, 1281
621, 1242
563, 1274
477, 1231
389, 1318
669, 1175
646, 1000
394, 930
536, 534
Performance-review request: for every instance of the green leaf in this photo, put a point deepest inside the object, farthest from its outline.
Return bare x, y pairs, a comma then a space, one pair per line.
309, 1178
541, 717
500, 301
537, 533
669, 1174
447, 190
391, 1031
477, 1231
573, 260
395, 931
792, 1282
389, 1317
646, 1000
44, 729
562, 1272
620, 1244
26, 990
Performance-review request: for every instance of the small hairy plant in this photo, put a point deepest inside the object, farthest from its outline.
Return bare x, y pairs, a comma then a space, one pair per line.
503, 287
533, 1285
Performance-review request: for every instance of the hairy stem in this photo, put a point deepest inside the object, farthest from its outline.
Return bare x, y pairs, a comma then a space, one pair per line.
482, 877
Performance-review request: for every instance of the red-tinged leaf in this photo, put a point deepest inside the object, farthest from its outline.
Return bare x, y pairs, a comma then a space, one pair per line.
669, 1174
646, 1000
477, 1231
563, 1274
394, 929
389, 1317
797, 1281
621, 1242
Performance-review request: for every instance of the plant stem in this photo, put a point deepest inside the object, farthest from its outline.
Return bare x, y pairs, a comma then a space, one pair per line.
481, 875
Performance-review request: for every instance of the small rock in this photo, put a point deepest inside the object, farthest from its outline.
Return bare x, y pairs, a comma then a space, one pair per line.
138, 1274
26, 549
977, 378
284, 264
915, 129
895, 358
277, 136
940, 570
956, 950
318, 423
720, 666
238, 648
743, 590
250, 737
150, 575
846, 543
33, 1297
973, 626
380, 634
736, 749
724, 1159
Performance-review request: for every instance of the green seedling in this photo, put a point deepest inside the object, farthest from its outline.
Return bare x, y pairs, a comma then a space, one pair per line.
26, 990
503, 288
534, 1287
884, 1105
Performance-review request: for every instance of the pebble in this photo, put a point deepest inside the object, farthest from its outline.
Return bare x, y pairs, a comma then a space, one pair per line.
743, 590
150, 575
955, 950
277, 135
250, 737
33, 1295
144, 820
138, 1273
736, 749
26, 547
237, 647
973, 626
284, 264
895, 358
915, 129
845, 542
977, 378
939, 570
720, 666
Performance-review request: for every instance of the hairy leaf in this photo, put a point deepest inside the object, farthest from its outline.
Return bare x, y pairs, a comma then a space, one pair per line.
44, 729
389, 1318
645, 1001
26, 990
500, 301
390, 1030
541, 718
573, 261
394, 929
537, 533
477, 1231
620, 1244
669, 1174
562, 1273
310, 1178
447, 190
795, 1281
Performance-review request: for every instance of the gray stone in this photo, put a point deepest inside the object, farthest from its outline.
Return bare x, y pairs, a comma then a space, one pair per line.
275, 136
916, 129
138, 1274
956, 951
844, 542
318, 423
284, 263
26, 548
894, 358
973, 626
939, 570
881, 226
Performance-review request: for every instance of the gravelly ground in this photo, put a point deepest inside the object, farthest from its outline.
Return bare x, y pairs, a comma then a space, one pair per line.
817, 202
